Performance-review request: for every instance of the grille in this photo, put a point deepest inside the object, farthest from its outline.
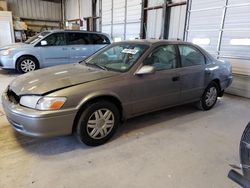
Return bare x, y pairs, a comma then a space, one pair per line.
13, 97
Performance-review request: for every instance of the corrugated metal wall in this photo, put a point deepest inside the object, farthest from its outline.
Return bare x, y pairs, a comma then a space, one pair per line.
79, 9
177, 21
222, 27
155, 21
121, 18
36, 9
220, 21
76, 9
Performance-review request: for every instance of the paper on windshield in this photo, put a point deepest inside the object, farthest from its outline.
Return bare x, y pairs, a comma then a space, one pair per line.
130, 51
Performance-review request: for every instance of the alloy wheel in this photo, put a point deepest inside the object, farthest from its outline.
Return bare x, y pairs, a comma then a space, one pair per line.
100, 123
211, 96
28, 65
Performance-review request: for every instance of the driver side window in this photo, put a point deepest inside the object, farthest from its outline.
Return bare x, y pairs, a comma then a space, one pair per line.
56, 39
163, 58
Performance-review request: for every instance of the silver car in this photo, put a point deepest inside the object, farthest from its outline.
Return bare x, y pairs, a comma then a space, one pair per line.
51, 48
123, 80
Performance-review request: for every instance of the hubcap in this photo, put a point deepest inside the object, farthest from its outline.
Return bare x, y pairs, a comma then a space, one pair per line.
100, 123
28, 65
211, 96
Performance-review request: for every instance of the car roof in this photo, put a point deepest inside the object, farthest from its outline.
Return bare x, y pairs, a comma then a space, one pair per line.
78, 31
154, 41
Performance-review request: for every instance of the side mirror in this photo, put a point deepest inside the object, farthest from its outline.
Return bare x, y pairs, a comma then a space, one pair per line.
44, 43
146, 69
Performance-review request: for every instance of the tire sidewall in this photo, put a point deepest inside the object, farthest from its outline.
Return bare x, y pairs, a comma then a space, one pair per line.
81, 129
203, 98
21, 59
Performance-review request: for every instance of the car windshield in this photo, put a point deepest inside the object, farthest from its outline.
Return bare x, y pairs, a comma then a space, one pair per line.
37, 37
119, 57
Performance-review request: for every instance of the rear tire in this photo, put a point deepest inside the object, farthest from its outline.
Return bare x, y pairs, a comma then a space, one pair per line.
97, 123
209, 97
26, 64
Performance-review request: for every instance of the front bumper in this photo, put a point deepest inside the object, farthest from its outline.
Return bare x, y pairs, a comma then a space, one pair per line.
38, 123
7, 62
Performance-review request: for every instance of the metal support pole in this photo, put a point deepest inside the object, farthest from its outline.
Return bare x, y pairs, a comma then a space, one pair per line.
187, 20
221, 28
166, 19
94, 15
79, 9
112, 18
125, 20
100, 15
143, 31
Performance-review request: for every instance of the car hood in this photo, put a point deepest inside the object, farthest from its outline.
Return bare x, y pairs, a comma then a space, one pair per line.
15, 45
51, 79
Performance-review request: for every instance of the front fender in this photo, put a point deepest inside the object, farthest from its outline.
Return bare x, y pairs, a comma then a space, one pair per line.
98, 94
27, 52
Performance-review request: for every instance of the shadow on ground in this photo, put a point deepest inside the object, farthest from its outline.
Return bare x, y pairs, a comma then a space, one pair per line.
63, 144
9, 72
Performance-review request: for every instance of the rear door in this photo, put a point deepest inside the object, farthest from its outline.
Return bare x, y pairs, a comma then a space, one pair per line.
55, 52
80, 46
192, 74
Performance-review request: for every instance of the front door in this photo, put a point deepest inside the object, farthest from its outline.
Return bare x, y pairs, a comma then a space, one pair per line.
54, 51
160, 89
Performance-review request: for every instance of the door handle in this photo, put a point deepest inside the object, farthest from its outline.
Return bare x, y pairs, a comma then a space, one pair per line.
175, 78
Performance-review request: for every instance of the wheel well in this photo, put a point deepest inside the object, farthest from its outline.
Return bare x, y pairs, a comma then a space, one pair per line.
217, 81
28, 56
111, 99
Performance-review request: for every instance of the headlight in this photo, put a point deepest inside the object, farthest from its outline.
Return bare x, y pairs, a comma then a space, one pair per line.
50, 103
5, 52
43, 103
29, 101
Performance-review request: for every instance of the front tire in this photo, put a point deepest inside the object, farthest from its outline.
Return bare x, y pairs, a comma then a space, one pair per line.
26, 64
209, 97
97, 123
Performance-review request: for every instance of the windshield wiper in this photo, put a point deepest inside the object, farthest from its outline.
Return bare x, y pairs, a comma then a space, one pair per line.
96, 65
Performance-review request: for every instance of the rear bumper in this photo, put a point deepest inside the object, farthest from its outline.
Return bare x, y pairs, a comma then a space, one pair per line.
38, 123
227, 82
7, 62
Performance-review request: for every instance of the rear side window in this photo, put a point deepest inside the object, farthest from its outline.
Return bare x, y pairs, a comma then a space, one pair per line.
78, 38
98, 39
191, 56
